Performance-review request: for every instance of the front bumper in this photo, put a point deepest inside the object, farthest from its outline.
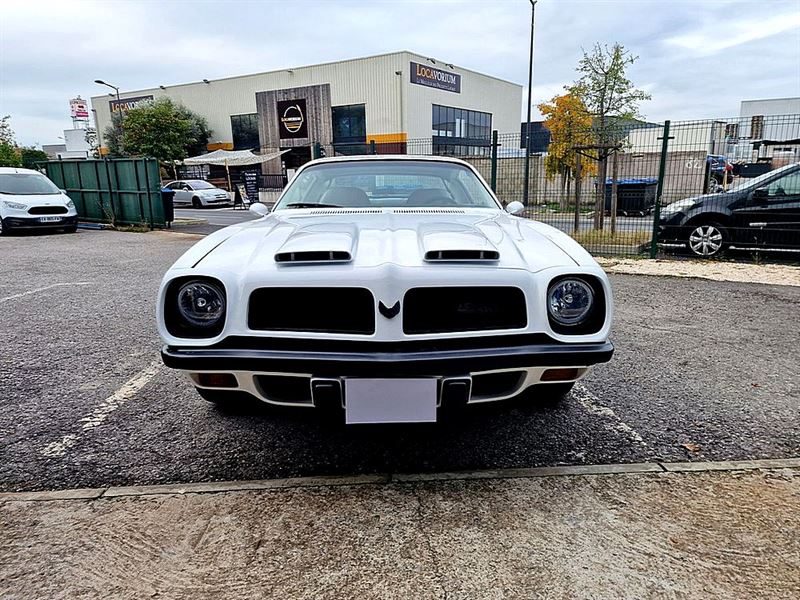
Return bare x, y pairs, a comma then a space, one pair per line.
465, 375
387, 364
36, 223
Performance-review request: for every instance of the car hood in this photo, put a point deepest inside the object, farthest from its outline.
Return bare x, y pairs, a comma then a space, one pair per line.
36, 199
368, 238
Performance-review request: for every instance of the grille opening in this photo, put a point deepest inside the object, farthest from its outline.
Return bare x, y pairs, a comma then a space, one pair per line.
285, 388
462, 255
492, 385
451, 309
48, 210
324, 310
313, 256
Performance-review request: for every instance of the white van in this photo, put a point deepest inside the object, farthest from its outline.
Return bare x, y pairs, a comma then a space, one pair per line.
29, 200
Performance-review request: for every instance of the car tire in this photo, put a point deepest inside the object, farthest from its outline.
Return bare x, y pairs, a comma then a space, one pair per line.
71, 229
549, 395
196, 203
3, 229
707, 239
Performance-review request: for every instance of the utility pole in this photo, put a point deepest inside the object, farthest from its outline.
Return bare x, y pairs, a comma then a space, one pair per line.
528, 117
119, 105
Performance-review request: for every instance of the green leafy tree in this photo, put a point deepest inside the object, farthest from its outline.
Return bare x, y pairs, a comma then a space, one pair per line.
30, 156
6, 133
162, 129
9, 156
611, 99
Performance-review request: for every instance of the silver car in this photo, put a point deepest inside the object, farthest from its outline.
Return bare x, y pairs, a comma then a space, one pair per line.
197, 193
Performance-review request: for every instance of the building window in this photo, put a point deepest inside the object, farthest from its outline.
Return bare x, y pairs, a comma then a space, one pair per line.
757, 127
349, 128
245, 132
460, 132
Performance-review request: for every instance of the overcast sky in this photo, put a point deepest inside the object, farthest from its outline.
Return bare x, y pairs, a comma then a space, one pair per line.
698, 58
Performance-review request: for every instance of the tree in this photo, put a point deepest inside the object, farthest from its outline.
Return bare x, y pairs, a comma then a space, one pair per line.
161, 129
30, 156
611, 98
9, 156
6, 133
570, 124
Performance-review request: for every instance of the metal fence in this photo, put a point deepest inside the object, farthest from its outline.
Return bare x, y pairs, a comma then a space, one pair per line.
611, 186
123, 191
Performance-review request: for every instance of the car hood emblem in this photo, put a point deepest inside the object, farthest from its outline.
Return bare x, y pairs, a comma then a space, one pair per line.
390, 312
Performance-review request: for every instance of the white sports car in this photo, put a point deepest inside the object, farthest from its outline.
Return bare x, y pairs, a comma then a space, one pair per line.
386, 286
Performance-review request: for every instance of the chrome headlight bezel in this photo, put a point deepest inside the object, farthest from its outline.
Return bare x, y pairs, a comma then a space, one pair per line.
589, 321
180, 295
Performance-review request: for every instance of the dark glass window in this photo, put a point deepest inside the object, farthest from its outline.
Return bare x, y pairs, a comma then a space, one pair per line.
245, 132
349, 124
461, 132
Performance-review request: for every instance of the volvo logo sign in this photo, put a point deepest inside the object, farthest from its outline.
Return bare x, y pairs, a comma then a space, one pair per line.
292, 118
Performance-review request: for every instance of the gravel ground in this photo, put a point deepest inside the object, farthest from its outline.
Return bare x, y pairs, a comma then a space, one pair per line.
704, 370
768, 274
666, 535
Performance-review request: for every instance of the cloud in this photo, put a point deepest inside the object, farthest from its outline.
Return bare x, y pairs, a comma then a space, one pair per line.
53, 50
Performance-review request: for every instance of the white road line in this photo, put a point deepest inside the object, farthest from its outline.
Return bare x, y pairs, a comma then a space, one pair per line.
44, 289
59, 448
591, 404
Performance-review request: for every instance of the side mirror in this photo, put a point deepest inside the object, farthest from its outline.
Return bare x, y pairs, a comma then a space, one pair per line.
63, 191
515, 208
259, 209
761, 194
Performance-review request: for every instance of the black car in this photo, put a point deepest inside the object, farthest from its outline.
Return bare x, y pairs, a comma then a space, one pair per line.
758, 214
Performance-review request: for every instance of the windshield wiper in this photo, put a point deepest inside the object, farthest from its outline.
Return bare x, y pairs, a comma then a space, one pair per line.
311, 205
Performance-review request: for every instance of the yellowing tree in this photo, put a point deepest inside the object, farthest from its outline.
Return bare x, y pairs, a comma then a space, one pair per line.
570, 124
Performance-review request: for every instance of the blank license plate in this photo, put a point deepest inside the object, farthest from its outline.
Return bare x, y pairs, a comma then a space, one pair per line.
49, 219
390, 400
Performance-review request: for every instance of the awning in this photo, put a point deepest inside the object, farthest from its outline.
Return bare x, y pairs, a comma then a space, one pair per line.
232, 158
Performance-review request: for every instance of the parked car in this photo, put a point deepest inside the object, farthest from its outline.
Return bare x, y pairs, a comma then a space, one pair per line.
390, 287
197, 193
29, 200
762, 213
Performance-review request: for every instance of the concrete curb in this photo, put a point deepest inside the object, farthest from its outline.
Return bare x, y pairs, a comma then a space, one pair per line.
400, 478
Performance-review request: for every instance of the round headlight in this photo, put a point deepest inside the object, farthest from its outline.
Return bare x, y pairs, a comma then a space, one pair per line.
570, 301
200, 303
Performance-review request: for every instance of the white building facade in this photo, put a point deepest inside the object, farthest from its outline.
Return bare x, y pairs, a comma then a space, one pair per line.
387, 99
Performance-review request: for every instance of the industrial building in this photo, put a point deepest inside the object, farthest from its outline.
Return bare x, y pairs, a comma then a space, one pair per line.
345, 105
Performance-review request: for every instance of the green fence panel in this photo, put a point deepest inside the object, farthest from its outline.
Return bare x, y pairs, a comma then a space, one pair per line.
124, 191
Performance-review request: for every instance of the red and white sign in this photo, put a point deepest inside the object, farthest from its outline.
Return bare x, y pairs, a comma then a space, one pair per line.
78, 108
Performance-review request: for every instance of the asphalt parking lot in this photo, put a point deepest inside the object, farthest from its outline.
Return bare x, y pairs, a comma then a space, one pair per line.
703, 371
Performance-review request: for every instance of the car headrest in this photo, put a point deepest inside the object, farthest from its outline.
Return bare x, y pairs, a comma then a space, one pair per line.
423, 197
346, 196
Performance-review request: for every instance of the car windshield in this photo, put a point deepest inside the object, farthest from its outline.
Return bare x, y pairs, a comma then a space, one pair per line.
199, 184
26, 184
387, 183
756, 181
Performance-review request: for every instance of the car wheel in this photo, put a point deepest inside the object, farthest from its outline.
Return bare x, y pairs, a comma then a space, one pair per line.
707, 239
547, 394
196, 202
71, 229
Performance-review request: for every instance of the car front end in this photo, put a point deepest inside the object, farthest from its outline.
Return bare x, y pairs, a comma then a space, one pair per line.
311, 307
28, 200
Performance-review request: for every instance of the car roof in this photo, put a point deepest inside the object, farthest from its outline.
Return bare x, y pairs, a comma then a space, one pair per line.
19, 170
392, 157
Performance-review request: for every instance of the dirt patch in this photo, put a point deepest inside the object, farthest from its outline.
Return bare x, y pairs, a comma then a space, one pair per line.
718, 271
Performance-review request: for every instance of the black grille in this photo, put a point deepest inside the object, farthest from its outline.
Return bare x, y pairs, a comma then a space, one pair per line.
448, 309
326, 310
48, 210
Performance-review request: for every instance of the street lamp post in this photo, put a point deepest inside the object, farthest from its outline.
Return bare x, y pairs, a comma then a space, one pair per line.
119, 105
528, 118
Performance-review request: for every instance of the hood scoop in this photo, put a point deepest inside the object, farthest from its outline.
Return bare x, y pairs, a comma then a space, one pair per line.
333, 243
453, 242
471, 255
313, 256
